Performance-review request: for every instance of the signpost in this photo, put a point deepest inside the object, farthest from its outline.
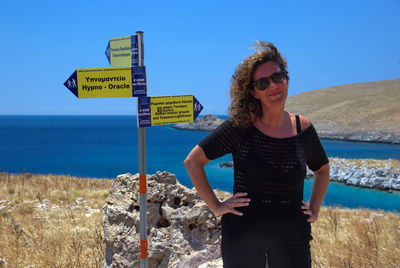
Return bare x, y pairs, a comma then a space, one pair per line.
156, 111
142, 175
127, 78
108, 82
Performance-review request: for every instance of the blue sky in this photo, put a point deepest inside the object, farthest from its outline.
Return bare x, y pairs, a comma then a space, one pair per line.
191, 47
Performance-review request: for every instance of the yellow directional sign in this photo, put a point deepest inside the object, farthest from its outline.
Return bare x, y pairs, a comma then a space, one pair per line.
108, 82
166, 110
122, 51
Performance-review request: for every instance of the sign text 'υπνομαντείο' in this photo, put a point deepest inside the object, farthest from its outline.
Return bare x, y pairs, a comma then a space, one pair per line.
105, 79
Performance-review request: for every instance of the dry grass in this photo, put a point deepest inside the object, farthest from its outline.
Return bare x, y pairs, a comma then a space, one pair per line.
47, 223
51, 221
356, 238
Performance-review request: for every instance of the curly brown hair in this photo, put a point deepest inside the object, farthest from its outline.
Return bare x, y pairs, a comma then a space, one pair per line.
244, 108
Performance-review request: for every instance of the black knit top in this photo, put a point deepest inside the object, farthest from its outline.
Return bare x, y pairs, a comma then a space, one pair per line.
271, 170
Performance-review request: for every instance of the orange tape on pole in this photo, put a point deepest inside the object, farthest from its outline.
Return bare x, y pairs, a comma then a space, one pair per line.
142, 184
143, 249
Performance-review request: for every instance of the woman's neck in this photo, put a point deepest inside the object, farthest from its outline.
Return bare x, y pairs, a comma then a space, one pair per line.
274, 119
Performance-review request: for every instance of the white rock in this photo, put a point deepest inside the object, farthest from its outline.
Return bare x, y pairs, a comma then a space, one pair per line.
212, 264
183, 232
3, 262
80, 229
367, 220
41, 206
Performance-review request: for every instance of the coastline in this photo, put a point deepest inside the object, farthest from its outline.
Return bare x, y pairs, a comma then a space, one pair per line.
210, 122
361, 137
338, 138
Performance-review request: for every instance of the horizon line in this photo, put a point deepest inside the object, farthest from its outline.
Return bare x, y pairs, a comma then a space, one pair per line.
86, 114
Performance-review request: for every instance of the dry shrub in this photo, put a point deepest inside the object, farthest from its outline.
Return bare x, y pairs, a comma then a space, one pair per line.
356, 238
51, 221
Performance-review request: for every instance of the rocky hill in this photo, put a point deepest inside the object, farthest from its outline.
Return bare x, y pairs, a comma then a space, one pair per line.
206, 123
362, 112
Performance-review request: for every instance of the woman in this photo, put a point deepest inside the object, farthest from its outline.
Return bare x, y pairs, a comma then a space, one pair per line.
265, 221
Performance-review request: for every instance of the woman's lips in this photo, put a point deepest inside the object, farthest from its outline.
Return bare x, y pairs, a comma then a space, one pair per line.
274, 93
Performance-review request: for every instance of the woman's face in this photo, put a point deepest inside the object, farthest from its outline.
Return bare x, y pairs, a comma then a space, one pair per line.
276, 93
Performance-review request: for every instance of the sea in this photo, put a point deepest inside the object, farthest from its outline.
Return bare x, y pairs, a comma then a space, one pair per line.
106, 146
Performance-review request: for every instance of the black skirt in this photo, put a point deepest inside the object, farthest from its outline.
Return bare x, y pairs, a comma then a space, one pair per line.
274, 231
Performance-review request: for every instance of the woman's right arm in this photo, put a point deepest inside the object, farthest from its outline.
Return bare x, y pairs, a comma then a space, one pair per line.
194, 163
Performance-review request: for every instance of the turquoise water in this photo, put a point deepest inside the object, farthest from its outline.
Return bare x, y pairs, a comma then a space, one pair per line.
105, 146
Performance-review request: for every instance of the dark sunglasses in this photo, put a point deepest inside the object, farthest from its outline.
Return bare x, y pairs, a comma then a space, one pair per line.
263, 82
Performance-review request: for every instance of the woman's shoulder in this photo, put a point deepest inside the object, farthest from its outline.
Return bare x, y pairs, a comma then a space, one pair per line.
234, 128
304, 122
228, 126
234, 124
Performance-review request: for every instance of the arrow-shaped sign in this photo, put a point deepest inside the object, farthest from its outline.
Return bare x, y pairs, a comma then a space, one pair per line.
122, 51
166, 110
108, 82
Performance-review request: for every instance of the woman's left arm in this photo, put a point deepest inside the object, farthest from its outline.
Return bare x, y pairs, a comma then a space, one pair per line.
318, 191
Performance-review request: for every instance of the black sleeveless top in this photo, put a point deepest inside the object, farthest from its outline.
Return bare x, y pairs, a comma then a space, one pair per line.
271, 170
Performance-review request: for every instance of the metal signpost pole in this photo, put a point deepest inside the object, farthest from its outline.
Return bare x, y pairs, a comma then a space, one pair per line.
131, 82
142, 174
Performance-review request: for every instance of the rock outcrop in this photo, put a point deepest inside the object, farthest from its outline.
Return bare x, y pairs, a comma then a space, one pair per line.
366, 173
208, 122
182, 231
356, 135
